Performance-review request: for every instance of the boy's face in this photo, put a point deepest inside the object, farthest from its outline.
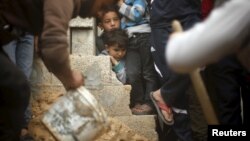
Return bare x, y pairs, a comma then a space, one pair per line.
110, 21
117, 52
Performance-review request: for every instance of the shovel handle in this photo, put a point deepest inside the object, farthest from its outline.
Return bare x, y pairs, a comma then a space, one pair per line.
176, 26
199, 87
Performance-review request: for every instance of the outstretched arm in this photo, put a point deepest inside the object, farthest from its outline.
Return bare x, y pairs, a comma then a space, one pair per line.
54, 46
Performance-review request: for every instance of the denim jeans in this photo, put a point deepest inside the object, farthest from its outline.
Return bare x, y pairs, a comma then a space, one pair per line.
20, 52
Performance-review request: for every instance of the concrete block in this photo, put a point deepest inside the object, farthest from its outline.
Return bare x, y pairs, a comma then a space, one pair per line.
82, 36
80, 22
94, 65
86, 64
143, 125
114, 99
119, 131
82, 41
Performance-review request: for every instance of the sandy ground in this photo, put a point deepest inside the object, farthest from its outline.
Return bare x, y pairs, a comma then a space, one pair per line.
116, 132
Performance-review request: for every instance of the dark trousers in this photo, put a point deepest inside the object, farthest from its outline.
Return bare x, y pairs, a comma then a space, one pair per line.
228, 85
140, 69
14, 98
175, 87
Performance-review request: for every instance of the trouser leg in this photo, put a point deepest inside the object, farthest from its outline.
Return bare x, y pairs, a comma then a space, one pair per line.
149, 75
14, 98
133, 70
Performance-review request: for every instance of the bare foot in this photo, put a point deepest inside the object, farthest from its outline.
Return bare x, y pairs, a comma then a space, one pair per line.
167, 113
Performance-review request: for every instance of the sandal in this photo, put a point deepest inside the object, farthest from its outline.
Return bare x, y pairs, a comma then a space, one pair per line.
143, 109
161, 106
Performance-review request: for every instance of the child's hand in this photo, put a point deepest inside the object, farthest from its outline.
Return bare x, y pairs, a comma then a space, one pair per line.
113, 61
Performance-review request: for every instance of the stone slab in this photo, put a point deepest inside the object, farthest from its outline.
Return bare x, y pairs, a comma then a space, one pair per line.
114, 99
144, 125
80, 22
82, 41
95, 68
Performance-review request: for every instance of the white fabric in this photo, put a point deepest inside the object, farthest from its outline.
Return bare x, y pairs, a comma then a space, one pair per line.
207, 42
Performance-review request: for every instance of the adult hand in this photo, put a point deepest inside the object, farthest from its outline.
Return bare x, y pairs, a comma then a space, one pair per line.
73, 81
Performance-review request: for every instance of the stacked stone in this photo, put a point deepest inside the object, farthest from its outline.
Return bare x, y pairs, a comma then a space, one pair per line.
99, 79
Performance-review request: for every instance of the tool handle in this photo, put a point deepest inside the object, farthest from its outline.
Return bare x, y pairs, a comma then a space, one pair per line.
203, 98
176, 26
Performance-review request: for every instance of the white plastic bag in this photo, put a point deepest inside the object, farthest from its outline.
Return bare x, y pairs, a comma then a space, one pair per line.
77, 116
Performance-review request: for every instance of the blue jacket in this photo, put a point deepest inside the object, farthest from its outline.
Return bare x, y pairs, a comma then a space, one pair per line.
134, 13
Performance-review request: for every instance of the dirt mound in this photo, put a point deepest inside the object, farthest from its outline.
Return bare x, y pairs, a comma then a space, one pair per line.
42, 102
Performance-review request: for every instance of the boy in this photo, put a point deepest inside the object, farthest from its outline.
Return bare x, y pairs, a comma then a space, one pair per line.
115, 42
107, 20
140, 68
